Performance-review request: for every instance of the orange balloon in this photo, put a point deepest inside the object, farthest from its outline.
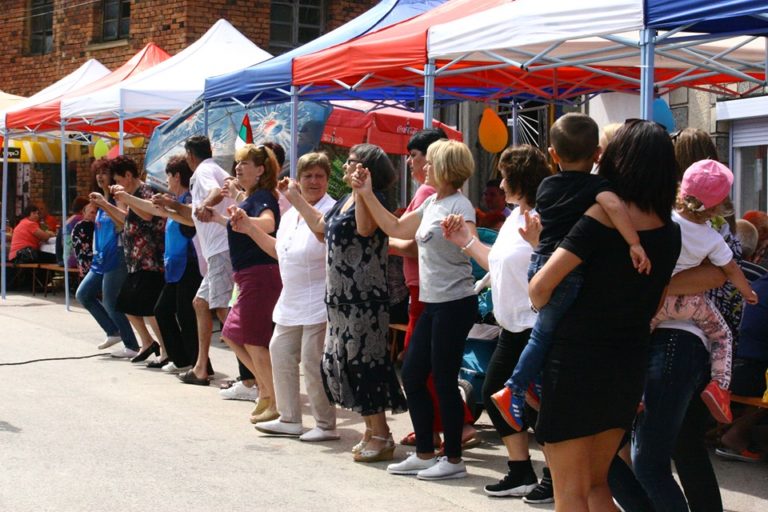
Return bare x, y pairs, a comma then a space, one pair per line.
492, 132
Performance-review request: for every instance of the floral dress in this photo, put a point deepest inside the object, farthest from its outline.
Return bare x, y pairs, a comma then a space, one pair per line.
82, 245
144, 240
357, 371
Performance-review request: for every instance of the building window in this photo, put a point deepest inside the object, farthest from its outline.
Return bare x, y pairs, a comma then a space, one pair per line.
294, 23
117, 20
40, 26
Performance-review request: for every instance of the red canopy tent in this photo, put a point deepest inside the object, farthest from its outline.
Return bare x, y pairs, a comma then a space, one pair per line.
47, 116
351, 122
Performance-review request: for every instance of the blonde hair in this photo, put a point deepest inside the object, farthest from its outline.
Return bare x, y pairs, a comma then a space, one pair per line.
451, 161
694, 208
261, 155
310, 160
607, 133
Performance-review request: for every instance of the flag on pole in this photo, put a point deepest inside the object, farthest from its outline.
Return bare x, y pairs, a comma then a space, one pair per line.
245, 136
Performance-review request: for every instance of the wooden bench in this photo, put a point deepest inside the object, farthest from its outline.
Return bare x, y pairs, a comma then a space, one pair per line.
19, 268
52, 268
754, 401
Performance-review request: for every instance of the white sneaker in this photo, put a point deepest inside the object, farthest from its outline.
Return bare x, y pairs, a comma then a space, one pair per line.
239, 391
172, 368
318, 434
443, 470
109, 341
124, 353
411, 466
280, 428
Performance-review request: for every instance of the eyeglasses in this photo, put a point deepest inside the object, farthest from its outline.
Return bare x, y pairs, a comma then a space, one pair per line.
352, 161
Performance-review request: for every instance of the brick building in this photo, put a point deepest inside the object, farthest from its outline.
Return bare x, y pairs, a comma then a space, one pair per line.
44, 40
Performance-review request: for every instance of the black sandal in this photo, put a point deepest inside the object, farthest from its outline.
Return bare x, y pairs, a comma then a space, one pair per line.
189, 377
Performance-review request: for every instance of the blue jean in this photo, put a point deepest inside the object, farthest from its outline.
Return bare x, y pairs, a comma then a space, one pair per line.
103, 311
535, 352
678, 370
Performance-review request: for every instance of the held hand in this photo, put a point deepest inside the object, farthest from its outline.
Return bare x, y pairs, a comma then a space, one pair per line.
202, 214
360, 180
751, 298
289, 188
231, 188
455, 230
115, 189
639, 259
165, 201
532, 230
96, 198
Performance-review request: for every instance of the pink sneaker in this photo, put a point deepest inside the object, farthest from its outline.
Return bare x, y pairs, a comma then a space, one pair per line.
718, 401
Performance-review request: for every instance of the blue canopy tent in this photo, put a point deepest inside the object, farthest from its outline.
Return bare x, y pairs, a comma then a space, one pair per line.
271, 80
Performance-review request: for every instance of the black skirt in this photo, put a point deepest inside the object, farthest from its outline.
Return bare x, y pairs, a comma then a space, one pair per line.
586, 391
140, 292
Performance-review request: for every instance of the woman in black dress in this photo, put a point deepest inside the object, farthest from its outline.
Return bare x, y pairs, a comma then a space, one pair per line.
356, 369
593, 378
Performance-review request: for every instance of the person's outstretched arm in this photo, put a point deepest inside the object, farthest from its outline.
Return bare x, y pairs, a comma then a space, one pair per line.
405, 227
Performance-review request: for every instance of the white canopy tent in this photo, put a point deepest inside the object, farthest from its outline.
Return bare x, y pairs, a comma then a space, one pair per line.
172, 85
88, 73
599, 37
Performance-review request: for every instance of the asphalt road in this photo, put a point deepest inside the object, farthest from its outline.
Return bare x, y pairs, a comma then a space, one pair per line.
97, 433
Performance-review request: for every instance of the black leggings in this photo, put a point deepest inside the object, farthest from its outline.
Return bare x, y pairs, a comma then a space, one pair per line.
176, 316
436, 347
508, 349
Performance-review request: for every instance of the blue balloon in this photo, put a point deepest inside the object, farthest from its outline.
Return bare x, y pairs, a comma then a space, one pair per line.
662, 114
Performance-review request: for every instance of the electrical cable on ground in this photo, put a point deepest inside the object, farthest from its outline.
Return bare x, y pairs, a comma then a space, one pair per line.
53, 359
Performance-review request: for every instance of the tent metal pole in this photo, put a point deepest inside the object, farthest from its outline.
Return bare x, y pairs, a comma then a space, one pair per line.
429, 92
64, 212
294, 130
3, 253
121, 134
515, 128
205, 118
646, 73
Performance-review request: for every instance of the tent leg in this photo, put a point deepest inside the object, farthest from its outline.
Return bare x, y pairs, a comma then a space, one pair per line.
121, 132
205, 118
515, 128
647, 75
294, 130
429, 92
64, 214
3, 253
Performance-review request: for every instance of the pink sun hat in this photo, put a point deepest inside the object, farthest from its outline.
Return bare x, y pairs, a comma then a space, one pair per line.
708, 181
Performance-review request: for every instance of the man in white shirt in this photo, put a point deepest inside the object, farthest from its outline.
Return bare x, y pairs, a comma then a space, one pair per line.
215, 290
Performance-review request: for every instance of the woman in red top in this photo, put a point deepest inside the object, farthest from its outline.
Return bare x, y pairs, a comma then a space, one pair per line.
27, 237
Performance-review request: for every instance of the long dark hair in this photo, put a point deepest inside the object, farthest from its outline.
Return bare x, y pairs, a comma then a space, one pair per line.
640, 163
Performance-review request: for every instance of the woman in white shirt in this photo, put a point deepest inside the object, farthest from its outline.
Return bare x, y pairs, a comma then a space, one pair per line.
300, 313
522, 169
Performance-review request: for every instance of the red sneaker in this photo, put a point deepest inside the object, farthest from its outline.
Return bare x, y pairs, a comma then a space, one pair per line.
510, 406
718, 401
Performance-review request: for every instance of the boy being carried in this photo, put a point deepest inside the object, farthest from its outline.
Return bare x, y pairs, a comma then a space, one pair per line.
562, 200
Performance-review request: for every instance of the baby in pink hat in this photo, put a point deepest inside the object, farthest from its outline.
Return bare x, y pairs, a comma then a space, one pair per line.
705, 186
